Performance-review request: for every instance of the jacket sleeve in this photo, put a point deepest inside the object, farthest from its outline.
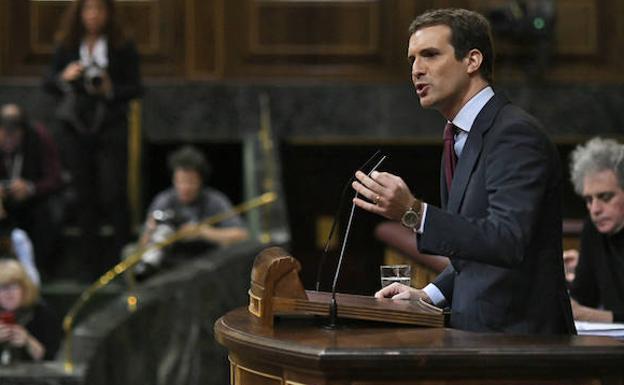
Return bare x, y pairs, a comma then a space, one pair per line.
585, 285
51, 80
51, 179
126, 76
445, 282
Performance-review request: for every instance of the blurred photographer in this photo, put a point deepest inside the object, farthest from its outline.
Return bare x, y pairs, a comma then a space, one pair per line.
95, 73
183, 207
30, 175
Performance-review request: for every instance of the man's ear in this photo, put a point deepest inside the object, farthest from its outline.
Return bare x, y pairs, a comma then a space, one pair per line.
474, 58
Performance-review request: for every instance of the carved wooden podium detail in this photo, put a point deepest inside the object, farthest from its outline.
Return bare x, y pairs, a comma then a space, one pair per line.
277, 290
275, 274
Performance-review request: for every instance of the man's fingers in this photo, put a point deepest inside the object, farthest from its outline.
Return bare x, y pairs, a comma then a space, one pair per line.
369, 182
365, 192
370, 207
393, 291
403, 295
388, 291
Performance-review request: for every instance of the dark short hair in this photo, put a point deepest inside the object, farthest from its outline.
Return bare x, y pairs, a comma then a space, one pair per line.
190, 158
469, 30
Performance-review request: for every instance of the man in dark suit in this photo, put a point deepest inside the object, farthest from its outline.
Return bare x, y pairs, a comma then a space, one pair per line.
500, 221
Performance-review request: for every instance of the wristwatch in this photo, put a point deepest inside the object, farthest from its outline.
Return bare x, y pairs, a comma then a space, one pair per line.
412, 217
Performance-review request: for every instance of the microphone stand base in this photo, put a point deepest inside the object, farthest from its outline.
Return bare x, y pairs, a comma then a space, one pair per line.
333, 315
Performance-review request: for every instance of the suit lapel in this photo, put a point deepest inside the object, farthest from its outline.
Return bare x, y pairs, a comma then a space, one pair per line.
472, 151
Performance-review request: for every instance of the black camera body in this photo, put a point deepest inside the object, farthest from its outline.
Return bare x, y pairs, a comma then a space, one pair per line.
93, 76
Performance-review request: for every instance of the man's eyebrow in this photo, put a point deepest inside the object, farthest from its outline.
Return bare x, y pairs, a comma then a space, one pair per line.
424, 51
598, 194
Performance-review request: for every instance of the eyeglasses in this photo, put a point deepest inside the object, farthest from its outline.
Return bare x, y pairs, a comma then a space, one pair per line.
9, 286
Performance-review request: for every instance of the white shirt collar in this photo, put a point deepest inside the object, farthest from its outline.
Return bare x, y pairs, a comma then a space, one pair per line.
468, 113
99, 54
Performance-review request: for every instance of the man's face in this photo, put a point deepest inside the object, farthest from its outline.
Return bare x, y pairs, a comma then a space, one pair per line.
188, 184
605, 201
439, 78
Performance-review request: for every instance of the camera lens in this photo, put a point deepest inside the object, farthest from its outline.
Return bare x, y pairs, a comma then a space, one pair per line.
96, 81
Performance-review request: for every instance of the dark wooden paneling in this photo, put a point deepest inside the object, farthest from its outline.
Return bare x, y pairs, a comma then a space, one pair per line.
309, 39
586, 41
577, 28
31, 29
42, 24
323, 39
204, 29
314, 28
158, 28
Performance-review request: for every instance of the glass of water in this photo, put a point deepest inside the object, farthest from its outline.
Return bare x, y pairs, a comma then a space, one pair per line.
395, 273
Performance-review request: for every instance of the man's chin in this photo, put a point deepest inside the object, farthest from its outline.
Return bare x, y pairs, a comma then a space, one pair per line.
425, 102
607, 228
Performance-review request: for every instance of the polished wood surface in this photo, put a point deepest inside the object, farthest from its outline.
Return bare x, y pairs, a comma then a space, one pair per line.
302, 351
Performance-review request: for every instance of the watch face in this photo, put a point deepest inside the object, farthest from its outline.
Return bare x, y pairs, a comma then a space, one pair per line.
410, 219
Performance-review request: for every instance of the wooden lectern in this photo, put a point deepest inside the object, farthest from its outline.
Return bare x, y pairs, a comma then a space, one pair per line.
300, 351
277, 290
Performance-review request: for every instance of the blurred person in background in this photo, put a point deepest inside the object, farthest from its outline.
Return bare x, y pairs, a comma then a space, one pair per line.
95, 73
28, 329
15, 243
597, 289
184, 206
30, 177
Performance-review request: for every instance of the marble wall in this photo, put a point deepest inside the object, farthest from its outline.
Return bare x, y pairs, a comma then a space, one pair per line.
226, 111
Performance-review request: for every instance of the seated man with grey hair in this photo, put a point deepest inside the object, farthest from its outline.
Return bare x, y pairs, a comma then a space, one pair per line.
597, 172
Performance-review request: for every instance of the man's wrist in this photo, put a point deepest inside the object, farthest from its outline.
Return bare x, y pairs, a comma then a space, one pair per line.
412, 217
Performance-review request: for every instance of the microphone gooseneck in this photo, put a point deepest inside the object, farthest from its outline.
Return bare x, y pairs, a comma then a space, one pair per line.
335, 221
333, 305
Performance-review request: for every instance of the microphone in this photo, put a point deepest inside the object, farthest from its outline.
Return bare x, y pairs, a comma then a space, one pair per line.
333, 306
335, 221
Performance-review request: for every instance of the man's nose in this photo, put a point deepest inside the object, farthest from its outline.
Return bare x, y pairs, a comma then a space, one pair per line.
595, 206
417, 69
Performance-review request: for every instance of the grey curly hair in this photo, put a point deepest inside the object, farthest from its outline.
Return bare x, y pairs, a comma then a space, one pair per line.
596, 155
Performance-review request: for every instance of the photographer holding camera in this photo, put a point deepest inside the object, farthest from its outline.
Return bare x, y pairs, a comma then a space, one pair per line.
183, 207
95, 73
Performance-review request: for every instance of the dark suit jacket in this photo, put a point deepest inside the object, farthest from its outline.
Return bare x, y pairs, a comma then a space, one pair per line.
501, 228
599, 279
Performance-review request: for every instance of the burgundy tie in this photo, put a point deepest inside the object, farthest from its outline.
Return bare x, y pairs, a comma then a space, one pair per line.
450, 158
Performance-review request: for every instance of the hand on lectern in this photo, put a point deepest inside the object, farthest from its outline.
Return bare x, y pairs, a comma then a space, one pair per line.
400, 291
